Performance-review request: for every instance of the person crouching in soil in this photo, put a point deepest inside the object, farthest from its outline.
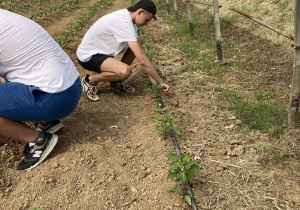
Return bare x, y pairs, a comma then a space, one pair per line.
107, 37
39, 83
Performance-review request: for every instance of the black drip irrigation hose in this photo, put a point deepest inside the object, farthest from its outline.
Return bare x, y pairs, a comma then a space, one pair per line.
188, 187
66, 43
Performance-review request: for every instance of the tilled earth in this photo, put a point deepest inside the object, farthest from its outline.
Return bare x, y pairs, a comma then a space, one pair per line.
109, 155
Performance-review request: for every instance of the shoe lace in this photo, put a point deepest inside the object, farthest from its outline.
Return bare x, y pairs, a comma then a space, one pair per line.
93, 89
28, 150
126, 86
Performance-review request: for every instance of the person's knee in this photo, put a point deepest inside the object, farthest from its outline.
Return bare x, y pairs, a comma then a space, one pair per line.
125, 72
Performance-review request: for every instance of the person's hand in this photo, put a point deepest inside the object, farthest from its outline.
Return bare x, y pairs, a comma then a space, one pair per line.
2, 80
167, 89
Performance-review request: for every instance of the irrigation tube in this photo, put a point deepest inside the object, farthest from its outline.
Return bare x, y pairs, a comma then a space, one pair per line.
66, 43
194, 207
263, 23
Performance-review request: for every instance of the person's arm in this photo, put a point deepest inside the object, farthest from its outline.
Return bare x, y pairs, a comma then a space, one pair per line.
146, 65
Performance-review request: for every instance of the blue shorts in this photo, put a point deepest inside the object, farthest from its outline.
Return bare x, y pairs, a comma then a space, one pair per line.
21, 102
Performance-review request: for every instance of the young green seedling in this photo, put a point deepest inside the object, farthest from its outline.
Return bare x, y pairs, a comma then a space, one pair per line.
165, 126
182, 170
156, 91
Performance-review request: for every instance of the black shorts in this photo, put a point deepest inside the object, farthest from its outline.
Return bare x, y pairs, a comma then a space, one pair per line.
95, 62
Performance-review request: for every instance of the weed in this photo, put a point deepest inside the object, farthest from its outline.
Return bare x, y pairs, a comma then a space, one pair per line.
228, 20
261, 94
35, 207
190, 49
182, 170
283, 4
187, 143
257, 115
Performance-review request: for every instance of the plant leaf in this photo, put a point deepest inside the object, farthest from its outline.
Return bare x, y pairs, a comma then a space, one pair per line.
176, 131
172, 156
188, 199
154, 119
190, 172
174, 189
171, 175
182, 177
175, 167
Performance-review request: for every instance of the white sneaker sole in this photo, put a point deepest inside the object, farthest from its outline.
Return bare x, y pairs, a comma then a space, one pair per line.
47, 151
53, 129
85, 88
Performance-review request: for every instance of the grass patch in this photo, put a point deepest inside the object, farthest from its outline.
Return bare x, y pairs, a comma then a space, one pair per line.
260, 115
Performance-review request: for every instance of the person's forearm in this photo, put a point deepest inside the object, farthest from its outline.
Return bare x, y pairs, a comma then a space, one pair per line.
148, 67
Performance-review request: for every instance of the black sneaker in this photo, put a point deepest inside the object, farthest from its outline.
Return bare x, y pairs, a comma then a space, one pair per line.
120, 87
35, 153
49, 126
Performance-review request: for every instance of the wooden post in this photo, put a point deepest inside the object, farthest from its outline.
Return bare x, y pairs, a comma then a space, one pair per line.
218, 30
175, 9
295, 91
168, 6
189, 14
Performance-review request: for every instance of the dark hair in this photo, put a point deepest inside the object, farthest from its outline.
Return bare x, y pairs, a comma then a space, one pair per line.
146, 5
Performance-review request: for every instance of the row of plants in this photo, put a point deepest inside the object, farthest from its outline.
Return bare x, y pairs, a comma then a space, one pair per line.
64, 5
8, 2
24, 6
182, 168
70, 32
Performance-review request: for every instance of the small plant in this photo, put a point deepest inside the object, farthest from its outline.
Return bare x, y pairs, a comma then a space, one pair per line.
187, 143
35, 207
155, 91
261, 94
182, 170
161, 110
146, 47
166, 125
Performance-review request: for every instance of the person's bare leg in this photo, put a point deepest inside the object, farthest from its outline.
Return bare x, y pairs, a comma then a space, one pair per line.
111, 70
17, 130
128, 57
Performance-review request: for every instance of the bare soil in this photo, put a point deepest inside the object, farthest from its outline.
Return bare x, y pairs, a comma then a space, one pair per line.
109, 155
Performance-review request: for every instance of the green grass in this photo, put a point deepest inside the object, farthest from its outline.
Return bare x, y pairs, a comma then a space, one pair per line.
190, 49
257, 115
228, 20
283, 4
199, 52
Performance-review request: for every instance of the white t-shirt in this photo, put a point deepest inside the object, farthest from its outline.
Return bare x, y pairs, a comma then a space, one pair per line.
108, 35
29, 55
